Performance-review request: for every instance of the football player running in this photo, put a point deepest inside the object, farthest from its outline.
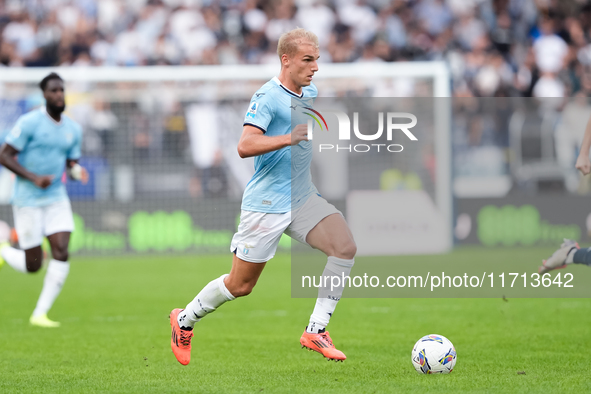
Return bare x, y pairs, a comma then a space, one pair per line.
280, 198
42, 144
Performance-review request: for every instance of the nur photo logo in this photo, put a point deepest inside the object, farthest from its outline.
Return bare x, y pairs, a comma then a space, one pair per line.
389, 122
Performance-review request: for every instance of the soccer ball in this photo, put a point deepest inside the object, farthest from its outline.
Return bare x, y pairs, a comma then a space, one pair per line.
434, 354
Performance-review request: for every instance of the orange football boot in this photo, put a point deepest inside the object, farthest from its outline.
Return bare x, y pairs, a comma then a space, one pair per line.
322, 343
180, 342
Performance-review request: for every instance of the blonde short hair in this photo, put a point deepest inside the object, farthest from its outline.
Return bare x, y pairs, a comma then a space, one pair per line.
288, 42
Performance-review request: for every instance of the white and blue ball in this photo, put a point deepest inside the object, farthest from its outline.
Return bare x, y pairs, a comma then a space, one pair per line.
434, 354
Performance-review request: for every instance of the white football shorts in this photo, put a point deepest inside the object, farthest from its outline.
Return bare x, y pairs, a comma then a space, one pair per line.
259, 233
33, 223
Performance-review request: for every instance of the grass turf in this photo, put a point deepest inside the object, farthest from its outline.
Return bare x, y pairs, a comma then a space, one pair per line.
115, 335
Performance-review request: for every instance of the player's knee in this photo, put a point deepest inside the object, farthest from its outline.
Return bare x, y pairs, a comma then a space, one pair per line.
33, 265
33, 259
60, 254
347, 251
242, 290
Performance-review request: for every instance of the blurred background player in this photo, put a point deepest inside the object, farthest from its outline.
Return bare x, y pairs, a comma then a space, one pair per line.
569, 251
279, 198
46, 142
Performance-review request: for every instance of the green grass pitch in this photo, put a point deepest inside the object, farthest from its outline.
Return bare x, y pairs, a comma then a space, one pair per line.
115, 335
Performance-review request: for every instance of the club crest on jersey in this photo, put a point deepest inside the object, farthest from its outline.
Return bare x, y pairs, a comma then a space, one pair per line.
252, 111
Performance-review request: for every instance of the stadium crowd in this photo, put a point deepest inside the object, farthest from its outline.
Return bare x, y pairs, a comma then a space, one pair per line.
494, 47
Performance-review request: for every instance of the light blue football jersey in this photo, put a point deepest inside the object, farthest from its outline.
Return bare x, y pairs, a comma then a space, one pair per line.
43, 145
282, 181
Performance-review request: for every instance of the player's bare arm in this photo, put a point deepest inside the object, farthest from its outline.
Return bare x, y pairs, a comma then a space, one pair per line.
254, 142
8, 159
583, 164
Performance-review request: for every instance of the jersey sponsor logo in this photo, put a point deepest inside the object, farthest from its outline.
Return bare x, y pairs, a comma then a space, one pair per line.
259, 94
267, 202
252, 112
69, 138
293, 107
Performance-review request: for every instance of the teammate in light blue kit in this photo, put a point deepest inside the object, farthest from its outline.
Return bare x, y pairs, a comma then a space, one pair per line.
38, 149
280, 198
